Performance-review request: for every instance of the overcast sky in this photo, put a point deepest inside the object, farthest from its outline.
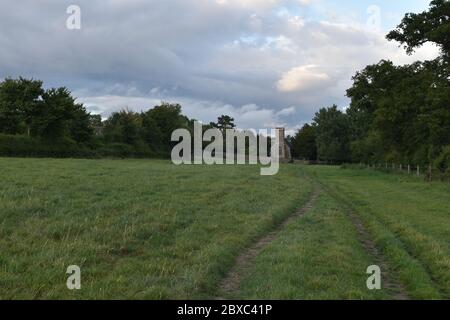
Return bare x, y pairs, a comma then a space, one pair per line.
264, 62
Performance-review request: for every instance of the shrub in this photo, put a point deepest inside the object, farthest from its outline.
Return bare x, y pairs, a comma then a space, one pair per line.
442, 163
26, 146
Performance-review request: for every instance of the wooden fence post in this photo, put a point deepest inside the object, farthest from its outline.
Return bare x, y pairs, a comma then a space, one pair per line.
409, 169
418, 170
430, 173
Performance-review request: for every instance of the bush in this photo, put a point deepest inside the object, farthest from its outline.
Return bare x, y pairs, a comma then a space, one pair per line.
26, 146
442, 163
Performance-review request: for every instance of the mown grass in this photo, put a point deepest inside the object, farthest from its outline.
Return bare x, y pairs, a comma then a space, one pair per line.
138, 229
409, 219
316, 257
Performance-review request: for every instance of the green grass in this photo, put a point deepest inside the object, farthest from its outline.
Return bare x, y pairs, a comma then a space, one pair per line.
316, 257
408, 218
146, 229
137, 228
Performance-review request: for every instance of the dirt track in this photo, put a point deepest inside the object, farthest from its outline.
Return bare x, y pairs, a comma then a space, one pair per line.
231, 283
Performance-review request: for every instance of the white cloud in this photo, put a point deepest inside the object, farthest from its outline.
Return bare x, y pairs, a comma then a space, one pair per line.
302, 78
286, 111
252, 4
305, 2
250, 116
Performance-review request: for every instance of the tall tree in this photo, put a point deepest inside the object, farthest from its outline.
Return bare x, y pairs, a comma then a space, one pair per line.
401, 113
304, 143
332, 135
429, 26
223, 123
123, 127
168, 118
20, 100
151, 132
80, 124
52, 119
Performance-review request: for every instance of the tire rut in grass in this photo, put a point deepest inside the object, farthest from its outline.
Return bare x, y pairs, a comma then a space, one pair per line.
397, 289
399, 292
231, 283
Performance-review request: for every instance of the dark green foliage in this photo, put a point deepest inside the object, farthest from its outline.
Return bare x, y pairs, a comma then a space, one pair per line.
151, 133
442, 163
429, 26
397, 114
53, 115
20, 99
95, 120
224, 122
80, 126
38, 122
168, 117
123, 127
304, 143
148, 131
26, 146
402, 113
332, 135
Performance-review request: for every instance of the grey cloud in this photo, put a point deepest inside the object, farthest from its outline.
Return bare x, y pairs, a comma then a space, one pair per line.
213, 58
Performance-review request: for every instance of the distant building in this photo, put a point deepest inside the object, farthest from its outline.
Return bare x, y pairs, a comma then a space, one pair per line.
284, 150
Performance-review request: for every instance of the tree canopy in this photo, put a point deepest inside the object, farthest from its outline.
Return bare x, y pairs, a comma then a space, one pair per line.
304, 143
429, 26
223, 123
397, 113
52, 120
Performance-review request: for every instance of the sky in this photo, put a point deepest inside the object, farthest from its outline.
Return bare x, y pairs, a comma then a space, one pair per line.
266, 63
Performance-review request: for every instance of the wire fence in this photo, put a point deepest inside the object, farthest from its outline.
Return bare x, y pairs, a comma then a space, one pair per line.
428, 173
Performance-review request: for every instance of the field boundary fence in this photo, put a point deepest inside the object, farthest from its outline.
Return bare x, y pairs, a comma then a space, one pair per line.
428, 173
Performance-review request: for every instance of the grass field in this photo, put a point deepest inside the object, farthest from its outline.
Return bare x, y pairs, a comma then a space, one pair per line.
142, 229
319, 256
137, 228
409, 219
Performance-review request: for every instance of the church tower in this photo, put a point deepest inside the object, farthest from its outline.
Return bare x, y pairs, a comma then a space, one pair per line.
284, 150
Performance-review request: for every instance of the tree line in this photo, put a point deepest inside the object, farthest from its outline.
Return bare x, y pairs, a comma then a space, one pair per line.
398, 114
49, 122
